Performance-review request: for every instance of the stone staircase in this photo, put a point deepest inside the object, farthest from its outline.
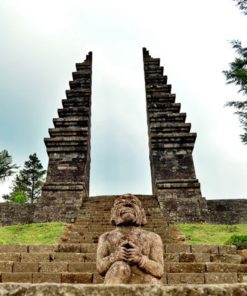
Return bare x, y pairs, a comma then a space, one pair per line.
73, 259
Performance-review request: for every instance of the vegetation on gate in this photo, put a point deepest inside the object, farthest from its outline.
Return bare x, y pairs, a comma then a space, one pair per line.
217, 234
41, 233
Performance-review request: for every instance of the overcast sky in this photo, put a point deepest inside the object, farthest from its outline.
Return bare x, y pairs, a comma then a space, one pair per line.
42, 40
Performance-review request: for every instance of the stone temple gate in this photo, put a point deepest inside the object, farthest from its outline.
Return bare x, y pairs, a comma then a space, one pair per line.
171, 143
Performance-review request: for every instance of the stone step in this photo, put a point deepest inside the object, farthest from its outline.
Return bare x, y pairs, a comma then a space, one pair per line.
170, 127
71, 262
48, 277
82, 74
173, 138
74, 121
164, 89
22, 289
77, 102
78, 92
68, 132
73, 111
161, 97
82, 66
171, 108
167, 117
150, 81
152, 72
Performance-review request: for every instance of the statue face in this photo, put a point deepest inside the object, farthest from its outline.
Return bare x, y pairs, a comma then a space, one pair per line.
128, 210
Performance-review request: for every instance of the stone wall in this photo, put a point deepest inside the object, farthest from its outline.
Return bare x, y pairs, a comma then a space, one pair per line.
11, 213
222, 211
227, 211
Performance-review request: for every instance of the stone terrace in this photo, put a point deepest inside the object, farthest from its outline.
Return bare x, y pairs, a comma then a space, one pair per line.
73, 259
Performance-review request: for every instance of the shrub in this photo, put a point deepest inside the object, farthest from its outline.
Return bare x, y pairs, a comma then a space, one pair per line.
240, 241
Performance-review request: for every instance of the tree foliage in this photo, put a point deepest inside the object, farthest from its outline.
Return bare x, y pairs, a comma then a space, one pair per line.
29, 181
242, 4
238, 76
6, 167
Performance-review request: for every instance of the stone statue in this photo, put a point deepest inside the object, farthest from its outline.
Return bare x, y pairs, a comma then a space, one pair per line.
129, 254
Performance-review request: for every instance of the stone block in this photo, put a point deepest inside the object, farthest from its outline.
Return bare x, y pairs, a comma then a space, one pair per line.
35, 257
16, 257
177, 248
171, 257
221, 267
25, 267
18, 277
186, 257
224, 249
42, 248
73, 257
76, 248
46, 278
55, 267
221, 278
82, 267
185, 278
187, 267
202, 257
6, 266
227, 258
13, 248
77, 278
88, 248
242, 277
212, 249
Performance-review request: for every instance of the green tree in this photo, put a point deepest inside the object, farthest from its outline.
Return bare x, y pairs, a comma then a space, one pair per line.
238, 76
6, 167
29, 181
242, 4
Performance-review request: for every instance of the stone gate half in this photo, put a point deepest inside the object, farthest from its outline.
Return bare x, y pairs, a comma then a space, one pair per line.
171, 144
68, 148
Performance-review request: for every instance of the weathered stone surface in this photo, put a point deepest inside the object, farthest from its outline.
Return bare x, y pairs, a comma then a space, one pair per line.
127, 290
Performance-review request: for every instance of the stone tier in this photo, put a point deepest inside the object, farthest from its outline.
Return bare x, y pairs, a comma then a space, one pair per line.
171, 144
68, 147
73, 259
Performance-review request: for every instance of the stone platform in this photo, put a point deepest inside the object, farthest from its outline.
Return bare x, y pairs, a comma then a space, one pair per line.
127, 290
73, 259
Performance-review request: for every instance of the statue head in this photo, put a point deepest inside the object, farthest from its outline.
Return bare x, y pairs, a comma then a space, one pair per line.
128, 210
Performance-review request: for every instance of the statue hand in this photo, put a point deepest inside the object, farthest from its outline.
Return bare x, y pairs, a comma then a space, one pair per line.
134, 254
121, 253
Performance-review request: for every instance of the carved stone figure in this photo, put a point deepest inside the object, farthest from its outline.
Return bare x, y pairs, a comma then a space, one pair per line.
129, 254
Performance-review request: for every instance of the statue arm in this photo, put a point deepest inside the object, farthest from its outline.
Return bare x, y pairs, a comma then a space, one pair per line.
103, 260
154, 264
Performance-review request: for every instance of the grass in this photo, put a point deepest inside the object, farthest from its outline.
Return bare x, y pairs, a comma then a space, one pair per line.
40, 233
211, 233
